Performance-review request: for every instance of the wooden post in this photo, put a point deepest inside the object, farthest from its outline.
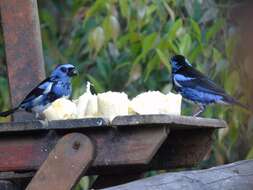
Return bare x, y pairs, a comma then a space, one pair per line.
23, 49
20, 23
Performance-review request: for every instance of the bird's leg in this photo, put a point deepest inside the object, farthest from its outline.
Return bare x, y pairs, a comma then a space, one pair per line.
201, 109
42, 119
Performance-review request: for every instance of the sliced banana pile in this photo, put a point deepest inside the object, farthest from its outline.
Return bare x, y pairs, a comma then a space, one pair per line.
112, 104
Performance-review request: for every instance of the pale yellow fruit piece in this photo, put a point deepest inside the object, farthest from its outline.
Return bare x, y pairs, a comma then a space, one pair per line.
174, 103
155, 102
61, 109
112, 104
87, 104
92, 107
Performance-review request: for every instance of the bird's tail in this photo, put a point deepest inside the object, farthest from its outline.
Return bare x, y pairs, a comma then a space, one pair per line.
6, 113
236, 102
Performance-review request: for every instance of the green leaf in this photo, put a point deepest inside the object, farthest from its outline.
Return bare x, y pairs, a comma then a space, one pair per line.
97, 38
124, 8
250, 154
97, 6
111, 27
196, 29
217, 56
230, 46
212, 31
163, 58
97, 85
152, 65
185, 45
174, 28
231, 82
148, 42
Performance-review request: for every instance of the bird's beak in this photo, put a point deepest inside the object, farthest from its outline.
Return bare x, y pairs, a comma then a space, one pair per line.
73, 72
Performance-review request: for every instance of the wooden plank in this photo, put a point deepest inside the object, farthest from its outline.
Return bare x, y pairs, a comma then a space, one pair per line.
184, 122
170, 121
23, 48
29, 126
16, 176
65, 164
238, 175
116, 148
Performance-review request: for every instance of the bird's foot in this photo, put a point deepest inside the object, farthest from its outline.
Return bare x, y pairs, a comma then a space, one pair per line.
201, 109
197, 113
42, 119
44, 122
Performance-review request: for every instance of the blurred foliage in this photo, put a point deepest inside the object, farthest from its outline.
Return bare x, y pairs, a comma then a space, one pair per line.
125, 45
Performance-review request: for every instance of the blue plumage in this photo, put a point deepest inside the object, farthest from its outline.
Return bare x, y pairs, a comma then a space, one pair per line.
196, 87
57, 85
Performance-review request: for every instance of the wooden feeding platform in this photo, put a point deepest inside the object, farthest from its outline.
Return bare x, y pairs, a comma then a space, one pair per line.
128, 144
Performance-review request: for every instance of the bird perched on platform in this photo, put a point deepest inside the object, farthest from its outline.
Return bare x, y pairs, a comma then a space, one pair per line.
196, 87
57, 85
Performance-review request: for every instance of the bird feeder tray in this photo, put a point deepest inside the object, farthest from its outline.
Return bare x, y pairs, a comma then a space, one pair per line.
127, 144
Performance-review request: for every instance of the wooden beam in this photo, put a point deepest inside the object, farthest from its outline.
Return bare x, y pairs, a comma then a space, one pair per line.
238, 175
65, 164
23, 49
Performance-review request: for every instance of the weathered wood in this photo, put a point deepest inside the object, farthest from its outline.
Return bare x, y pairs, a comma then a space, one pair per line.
8, 185
129, 149
16, 176
182, 122
25, 151
171, 121
23, 49
183, 148
238, 175
36, 125
65, 164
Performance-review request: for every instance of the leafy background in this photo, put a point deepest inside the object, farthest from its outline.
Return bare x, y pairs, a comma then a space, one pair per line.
125, 45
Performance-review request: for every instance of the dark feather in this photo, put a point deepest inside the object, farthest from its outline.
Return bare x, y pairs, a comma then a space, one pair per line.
6, 113
199, 81
37, 91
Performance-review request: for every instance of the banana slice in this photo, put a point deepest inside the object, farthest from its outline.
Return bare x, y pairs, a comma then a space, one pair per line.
61, 109
87, 104
112, 104
155, 102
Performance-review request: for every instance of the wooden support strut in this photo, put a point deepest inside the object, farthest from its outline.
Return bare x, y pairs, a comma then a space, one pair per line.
65, 164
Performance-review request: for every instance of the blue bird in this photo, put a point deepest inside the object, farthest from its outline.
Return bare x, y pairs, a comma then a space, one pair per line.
57, 85
196, 87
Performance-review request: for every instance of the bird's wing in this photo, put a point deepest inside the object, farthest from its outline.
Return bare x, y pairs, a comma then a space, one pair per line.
43, 88
190, 77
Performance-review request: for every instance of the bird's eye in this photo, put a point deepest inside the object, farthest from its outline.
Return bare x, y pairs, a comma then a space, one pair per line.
63, 69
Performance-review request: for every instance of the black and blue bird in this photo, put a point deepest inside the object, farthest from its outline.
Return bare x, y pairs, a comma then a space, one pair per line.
196, 87
57, 85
